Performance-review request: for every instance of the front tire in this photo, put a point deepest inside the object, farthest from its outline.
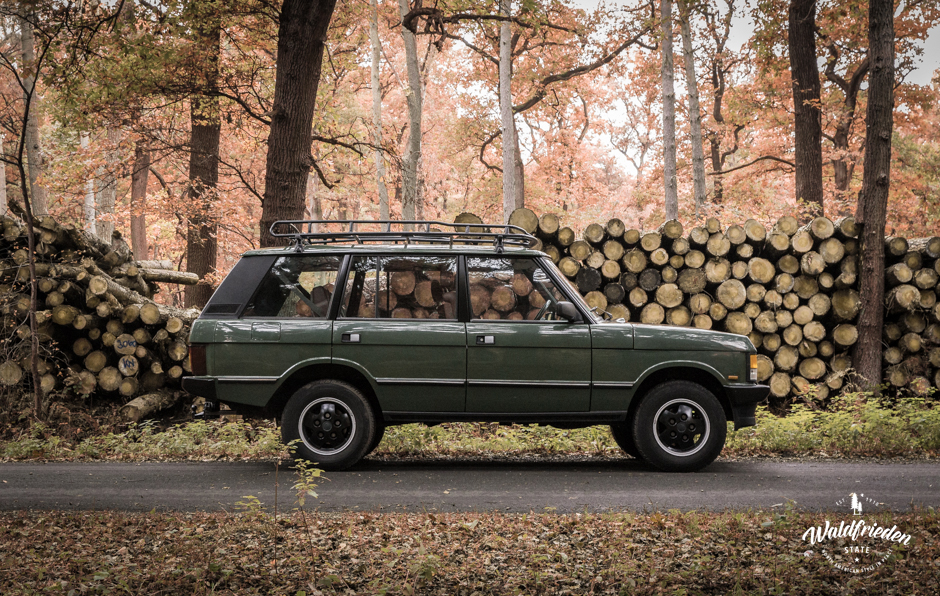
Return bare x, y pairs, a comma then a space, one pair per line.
331, 422
679, 427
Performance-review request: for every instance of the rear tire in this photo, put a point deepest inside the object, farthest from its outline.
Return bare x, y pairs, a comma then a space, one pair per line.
680, 427
331, 422
623, 435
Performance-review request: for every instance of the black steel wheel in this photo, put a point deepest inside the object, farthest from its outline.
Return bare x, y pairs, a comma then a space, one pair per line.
623, 435
679, 427
331, 422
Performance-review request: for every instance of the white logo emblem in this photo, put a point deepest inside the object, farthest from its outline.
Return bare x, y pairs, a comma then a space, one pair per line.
856, 545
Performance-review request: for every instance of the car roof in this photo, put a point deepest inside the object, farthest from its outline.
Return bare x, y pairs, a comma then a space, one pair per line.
404, 249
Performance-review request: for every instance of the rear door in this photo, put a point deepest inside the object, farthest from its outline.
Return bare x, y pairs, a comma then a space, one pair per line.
521, 357
286, 322
398, 323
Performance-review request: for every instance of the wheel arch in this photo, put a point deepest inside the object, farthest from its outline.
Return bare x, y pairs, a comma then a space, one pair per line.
680, 372
324, 370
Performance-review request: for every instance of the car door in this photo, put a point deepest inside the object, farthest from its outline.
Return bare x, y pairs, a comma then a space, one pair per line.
520, 356
285, 323
398, 324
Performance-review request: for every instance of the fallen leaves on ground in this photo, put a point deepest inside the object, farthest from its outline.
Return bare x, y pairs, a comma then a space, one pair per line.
457, 554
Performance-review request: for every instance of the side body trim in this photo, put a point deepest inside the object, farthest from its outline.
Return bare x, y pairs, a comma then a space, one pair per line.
229, 379
542, 384
586, 418
407, 381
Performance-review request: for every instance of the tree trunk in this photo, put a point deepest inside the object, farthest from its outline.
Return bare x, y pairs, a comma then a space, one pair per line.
301, 33
314, 209
3, 182
807, 114
106, 195
873, 198
139, 179
518, 169
409, 166
510, 142
669, 115
377, 110
88, 208
695, 114
206, 129
34, 155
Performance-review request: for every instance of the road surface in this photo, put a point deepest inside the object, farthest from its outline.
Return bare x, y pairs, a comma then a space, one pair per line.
419, 485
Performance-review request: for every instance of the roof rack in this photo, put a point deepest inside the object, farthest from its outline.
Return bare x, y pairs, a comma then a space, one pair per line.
304, 232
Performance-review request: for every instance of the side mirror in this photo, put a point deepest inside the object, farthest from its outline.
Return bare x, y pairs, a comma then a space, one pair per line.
568, 311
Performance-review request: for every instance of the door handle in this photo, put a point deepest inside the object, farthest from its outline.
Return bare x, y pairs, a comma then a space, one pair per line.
350, 338
486, 340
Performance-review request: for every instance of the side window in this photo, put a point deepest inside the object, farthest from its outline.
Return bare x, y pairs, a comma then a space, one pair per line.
511, 289
401, 288
296, 286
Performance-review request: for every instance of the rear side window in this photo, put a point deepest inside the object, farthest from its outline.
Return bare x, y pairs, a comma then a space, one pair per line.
296, 286
419, 287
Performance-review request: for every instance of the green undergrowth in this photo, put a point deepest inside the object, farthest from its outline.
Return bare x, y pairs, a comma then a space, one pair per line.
854, 425
310, 553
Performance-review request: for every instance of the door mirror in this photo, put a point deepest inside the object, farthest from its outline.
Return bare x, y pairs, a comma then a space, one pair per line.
568, 311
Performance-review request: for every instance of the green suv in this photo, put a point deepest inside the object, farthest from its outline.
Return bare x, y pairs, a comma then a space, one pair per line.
360, 325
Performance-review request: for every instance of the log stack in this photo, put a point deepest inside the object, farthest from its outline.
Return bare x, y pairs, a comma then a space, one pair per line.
100, 331
912, 314
793, 290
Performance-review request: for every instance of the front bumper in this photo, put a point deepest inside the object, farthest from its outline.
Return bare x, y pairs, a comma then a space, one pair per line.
744, 400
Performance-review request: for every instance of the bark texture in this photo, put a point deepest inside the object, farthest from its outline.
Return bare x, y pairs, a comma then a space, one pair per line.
695, 113
34, 155
873, 199
140, 176
669, 115
206, 130
807, 115
302, 29
510, 144
409, 166
377, 110
106, 193
88, 208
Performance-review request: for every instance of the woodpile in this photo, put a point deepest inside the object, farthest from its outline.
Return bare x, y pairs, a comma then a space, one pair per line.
912, 314
793, 290
100, 331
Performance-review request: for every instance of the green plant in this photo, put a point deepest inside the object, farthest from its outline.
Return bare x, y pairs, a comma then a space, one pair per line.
307, 480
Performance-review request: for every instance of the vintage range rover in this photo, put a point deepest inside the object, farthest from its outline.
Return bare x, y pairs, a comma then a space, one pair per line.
360, 325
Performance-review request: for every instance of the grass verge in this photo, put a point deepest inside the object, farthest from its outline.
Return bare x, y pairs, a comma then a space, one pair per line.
854, 426
469, 554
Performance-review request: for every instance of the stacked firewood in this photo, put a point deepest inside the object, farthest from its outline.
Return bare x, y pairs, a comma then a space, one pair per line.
99, 329
912, 314
793, 290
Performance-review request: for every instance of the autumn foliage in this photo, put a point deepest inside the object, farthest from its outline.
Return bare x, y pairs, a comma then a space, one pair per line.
585, 90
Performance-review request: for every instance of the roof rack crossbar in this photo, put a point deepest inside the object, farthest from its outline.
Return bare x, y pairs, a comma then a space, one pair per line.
301, 233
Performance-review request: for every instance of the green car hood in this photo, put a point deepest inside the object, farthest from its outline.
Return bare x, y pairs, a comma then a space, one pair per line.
657, 337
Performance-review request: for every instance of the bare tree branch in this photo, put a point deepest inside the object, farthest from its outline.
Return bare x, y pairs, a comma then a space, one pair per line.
752, 162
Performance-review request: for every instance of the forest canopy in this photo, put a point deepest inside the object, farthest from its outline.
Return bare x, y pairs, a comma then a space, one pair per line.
156, 122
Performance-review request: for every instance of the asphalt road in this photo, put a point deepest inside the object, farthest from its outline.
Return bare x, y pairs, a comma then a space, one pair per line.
467, 486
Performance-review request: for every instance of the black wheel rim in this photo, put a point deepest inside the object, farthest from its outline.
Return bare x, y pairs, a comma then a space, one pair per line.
327, 426
681, 427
